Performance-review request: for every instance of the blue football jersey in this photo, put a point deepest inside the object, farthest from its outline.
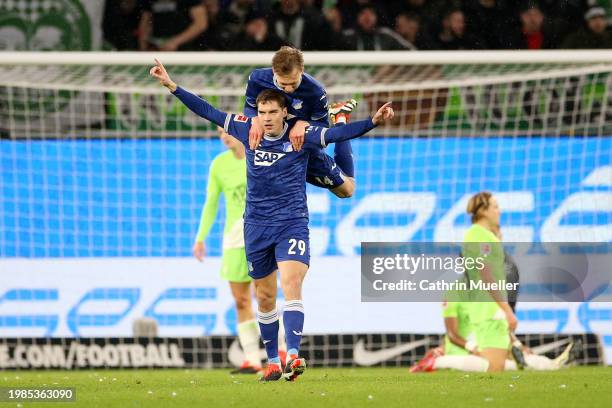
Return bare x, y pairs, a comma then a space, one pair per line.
276, 174
308, 102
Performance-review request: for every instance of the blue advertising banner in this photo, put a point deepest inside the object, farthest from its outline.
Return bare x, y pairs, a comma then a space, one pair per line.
135, 198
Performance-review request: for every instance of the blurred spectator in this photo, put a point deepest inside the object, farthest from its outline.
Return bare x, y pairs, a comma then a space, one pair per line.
256, 35
605, 4
351, 8
429, 11
217, 36
564, 12
236, 14
304, 28
334, 21
491, 23
170, 25
368, 36
453, 35
534, 33
407, 6
408, 26
593, 35
120, 24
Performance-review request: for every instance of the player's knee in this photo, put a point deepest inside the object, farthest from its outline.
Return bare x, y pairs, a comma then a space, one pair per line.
292, 286
496, 363
243, 302
265, 298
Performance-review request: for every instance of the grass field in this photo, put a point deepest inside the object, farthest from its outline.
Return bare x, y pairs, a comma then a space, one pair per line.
584, 387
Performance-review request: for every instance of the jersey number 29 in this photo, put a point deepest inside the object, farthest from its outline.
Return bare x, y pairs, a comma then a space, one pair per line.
301, 246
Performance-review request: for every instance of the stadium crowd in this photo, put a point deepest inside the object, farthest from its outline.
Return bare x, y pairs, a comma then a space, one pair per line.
254, 25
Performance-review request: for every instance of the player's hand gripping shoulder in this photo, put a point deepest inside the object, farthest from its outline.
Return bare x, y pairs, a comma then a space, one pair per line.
159, 72
256, 133
296, 135
383, 115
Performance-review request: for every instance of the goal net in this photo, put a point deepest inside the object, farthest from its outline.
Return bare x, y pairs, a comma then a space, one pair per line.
99, 160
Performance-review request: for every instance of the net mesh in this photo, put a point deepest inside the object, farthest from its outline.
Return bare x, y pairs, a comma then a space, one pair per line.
447, 100
102, 161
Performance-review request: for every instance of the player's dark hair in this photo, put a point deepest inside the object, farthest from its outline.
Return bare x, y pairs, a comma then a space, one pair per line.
271, 95
477, 203
287, 59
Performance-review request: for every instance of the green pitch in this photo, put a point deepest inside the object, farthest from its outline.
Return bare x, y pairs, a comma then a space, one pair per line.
385, 387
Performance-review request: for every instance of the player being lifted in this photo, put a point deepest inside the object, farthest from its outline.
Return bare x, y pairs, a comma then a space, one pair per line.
276, 216
307, 105
227, 176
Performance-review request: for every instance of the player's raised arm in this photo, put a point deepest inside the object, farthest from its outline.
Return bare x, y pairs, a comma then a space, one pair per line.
159, 72
196, 104
322, 137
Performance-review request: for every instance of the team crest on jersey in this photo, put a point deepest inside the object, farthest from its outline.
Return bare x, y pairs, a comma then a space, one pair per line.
240, 118
485, 249
297, 104
287, 147
263, 158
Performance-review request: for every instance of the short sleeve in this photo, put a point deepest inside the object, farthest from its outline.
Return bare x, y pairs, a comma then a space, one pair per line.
238, 126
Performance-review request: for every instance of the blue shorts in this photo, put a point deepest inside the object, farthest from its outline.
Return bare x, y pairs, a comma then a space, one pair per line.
323, 171
265, 246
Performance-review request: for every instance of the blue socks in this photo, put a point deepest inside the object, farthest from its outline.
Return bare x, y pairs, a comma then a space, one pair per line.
268, 326
343, 155
293, 318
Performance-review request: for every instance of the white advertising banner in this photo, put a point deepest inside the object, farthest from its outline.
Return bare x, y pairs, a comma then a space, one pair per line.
103, 296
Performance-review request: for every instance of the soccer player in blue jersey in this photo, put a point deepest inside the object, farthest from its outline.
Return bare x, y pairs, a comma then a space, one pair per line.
276, 216
307, 106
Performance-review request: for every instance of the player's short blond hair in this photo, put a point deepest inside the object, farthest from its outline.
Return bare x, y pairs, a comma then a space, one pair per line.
286, 60
478, 203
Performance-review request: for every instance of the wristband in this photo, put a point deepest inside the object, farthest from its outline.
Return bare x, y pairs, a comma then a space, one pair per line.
470, 346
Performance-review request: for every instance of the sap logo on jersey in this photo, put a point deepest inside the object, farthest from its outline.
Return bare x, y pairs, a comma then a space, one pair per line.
263, 158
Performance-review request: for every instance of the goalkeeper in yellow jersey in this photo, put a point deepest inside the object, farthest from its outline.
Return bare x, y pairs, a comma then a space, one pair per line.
227, 175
